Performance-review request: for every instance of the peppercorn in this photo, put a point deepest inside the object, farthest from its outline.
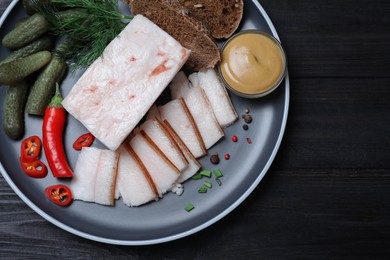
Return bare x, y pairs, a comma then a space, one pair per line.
227, 156
234, 138
245, 127
246, 110
214, 159
247, 118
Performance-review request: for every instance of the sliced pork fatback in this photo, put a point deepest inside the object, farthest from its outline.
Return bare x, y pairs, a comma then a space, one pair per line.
83, 181
179, 117
158, 137
95, 176
193, 165
153, 113
217, 95
117, 90
199, 107
163, 174
133, 183
106, 177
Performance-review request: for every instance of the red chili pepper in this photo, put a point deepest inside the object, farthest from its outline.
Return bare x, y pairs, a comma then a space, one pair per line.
30, 149
84, 140
52, 130
35, 169
60, 194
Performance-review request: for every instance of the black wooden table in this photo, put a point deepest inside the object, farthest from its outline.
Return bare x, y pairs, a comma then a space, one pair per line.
327, 194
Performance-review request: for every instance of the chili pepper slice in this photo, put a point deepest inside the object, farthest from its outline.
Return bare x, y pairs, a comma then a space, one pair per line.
35, 169
60, 194
84, 140
52, 130
30, 149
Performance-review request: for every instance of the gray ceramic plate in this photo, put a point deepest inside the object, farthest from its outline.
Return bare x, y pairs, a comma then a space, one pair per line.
166, 219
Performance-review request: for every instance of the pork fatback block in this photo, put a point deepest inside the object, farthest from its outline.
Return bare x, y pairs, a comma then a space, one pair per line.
117, 90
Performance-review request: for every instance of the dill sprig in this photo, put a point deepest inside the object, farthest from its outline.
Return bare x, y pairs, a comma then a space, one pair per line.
92, 24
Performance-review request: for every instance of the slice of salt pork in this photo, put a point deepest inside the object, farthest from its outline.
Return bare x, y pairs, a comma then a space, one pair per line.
153, 113
160, 139
193, 165
217, 95
163, 174
117, 90
95, 176
182, 122
134, 184
199, 107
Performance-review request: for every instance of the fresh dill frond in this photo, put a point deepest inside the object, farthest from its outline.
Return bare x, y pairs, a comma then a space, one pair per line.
92, 24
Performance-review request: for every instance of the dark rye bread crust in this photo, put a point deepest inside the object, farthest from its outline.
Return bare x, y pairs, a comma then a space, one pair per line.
170, 16
221, 17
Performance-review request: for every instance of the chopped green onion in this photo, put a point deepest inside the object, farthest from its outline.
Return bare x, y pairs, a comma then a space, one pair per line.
218, 173
205, 173
208, 184
189, 207
218, 181
197, 176
202, 190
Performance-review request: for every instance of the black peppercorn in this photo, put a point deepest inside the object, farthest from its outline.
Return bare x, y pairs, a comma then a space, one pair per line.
247, 118
245, 127
214, 159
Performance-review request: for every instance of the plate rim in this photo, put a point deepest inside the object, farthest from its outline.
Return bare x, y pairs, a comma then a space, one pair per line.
184, 233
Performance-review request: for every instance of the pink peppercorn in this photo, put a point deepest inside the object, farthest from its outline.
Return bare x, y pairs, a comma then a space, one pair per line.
234, 138
227, 156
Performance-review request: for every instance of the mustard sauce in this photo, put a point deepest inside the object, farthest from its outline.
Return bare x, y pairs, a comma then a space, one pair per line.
252, 63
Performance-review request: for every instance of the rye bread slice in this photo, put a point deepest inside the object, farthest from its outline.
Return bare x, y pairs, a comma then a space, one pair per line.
220, 17
172, 17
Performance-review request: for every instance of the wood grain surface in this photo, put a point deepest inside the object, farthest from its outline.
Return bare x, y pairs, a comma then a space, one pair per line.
327, 194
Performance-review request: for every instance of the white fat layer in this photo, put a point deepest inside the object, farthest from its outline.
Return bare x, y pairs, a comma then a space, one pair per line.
117, 90
95, 176
190, 170
84, 174
199, 107
132, 184
153, 113
106, 177
154, 130
193, 165
162, 174
175, 114
217, 95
